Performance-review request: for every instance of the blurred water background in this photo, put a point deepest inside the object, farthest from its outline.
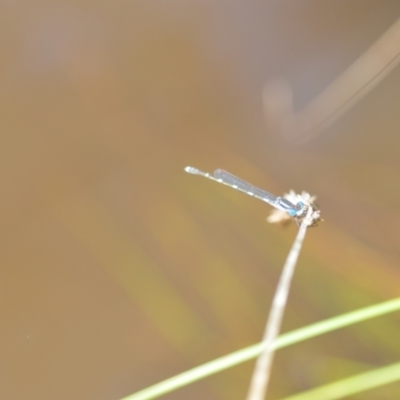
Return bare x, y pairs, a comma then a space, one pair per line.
118, 268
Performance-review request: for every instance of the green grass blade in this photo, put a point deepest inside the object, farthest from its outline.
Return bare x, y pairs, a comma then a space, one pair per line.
253, 351
355, 384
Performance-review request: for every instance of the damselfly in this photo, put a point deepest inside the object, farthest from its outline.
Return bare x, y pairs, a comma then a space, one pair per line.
294, 210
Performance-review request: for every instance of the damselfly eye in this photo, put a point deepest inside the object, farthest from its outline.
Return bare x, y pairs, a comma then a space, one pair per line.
300, 209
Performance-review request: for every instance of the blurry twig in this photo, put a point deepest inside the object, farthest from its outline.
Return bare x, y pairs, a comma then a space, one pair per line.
261, 374
342, 94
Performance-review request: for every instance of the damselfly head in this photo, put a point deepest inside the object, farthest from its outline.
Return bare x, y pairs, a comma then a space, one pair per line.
303, 202
301, 209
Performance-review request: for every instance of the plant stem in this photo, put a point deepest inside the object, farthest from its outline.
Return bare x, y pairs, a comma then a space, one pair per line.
262, 370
